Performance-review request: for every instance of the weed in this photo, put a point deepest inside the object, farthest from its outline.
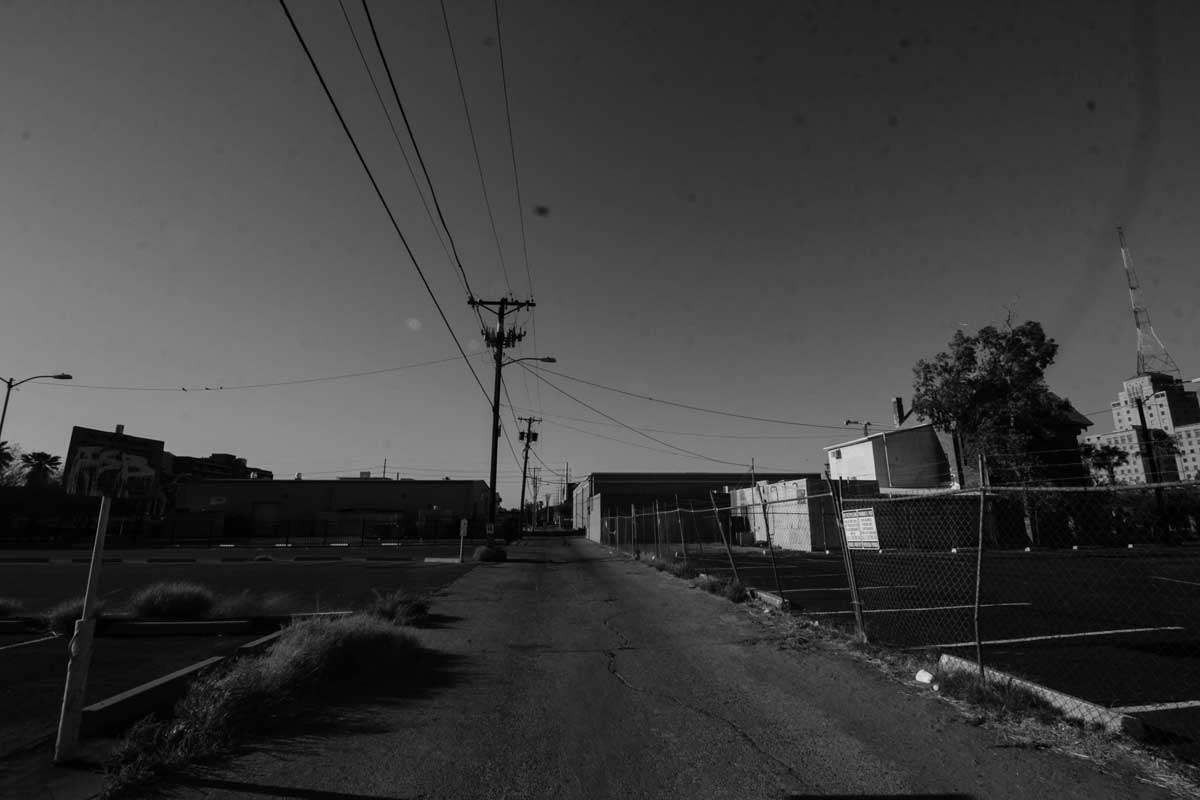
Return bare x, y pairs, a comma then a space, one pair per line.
61, 618
9, 608
680, 569
399, 607
1003, 697
258, 693
489, 553
731, 590
173, 600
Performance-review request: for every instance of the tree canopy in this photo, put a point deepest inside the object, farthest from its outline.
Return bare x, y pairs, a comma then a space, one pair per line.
990, 389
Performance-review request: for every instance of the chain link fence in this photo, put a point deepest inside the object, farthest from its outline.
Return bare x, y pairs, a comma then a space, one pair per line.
1089, 597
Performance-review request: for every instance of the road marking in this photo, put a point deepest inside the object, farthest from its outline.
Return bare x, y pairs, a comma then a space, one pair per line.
31, 641
1157, 707
1174, 580
1115, 632
925, 608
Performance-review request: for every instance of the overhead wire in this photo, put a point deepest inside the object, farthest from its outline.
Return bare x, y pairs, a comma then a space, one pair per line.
538, 370
379, 192
474, 145
656, 440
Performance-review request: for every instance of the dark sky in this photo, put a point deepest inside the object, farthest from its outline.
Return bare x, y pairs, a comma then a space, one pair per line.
769, 208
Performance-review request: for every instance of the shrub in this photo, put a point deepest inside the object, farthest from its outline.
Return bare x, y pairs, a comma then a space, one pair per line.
249, 604
61, 618
257, 693
9, 607
398, 607
489, 553
731, 590
173, 600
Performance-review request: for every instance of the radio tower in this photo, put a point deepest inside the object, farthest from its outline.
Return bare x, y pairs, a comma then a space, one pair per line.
1152, 355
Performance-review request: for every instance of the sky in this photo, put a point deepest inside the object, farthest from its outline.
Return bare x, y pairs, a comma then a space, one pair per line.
770, 209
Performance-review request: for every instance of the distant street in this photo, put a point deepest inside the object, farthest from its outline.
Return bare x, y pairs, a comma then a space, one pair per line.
570, 673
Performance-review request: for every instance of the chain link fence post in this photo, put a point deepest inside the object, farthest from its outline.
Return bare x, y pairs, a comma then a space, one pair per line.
979, 561
848, 560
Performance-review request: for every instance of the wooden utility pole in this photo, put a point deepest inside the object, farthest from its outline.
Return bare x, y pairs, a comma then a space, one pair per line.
529, 437
499, 340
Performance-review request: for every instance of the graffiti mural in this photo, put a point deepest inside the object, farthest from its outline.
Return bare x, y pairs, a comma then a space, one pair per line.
96, 469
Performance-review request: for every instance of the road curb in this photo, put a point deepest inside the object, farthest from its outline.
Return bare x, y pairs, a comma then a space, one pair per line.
1072, 707
435, 560
111, 714
770, 598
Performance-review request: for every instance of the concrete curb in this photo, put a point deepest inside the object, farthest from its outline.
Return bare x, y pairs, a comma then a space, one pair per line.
111, 714
437, 560
1071, 706
770, 598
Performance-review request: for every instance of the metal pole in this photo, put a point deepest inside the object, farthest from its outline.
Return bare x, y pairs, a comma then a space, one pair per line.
979, 562
637, 550
67, 743
721, 528
499, 346
851, 580
679, 522
657, 537
770, 545
8, 387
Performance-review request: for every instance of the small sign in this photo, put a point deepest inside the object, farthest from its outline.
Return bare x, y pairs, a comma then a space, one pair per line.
491, 530
861, 533
462, 528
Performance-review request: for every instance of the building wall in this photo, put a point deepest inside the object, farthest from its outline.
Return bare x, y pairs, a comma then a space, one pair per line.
799, 513
910, 458
269, 502
1170, 408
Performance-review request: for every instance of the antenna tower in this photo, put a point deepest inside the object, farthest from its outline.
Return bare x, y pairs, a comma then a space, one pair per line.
1152, 355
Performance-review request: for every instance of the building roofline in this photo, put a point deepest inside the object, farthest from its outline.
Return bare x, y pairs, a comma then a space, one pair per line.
879, 435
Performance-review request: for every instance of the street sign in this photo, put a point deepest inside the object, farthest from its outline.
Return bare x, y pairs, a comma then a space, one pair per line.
861, 533
462, 528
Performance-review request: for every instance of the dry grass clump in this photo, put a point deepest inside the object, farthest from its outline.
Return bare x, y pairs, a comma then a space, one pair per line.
173, 600
1003, 697
398, 607
731, 590
249, 604
61, 618
258, 693
486, 552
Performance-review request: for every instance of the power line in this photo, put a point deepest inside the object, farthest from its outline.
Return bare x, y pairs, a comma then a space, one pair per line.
379, 192
417, 150
474, 146
222, 388
682, 405
648, 429
595, 410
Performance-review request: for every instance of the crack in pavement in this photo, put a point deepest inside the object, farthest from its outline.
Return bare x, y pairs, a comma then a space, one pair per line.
611, 666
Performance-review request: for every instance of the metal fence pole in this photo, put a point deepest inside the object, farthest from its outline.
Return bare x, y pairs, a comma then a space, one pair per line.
679, 522
979, 562
855, 602
637, 551
657, 549
721, 529
770, 545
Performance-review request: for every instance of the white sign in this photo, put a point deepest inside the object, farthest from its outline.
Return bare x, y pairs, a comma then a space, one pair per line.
491, 530
462, 528
859, 525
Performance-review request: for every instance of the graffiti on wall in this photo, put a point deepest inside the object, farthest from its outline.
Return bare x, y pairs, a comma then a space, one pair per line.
96, 469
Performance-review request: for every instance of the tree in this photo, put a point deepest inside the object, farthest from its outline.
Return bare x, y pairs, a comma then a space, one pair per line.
1104, 458
40, 468
10, 465
990, 390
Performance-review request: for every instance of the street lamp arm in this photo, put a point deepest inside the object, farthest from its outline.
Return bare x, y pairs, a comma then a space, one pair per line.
61, 376
543, 359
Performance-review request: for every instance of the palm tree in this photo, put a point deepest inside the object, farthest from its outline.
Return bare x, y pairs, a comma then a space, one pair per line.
6, 456
39, 468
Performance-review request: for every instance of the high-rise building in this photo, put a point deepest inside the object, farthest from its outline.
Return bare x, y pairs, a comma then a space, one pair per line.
1167, 448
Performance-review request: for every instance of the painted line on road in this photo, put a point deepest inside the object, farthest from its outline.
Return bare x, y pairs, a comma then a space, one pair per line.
1174, 580
1158, 707
1052, 637
925, 608
31, 641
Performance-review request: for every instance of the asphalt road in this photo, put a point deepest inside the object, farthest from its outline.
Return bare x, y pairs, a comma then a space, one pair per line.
573, 673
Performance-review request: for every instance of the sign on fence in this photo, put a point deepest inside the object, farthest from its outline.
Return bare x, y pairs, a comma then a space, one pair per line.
462, 529
859, 524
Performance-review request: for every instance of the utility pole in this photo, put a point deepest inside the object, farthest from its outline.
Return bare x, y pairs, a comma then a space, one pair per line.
498, 340
529, 437
537, 474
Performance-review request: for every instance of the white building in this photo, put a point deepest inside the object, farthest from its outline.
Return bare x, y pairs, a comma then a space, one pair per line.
1171, 410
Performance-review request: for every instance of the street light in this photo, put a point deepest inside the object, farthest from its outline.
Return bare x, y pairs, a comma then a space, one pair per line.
496, 431
10, 384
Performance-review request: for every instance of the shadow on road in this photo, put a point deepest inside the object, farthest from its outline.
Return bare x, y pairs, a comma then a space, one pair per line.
275, 791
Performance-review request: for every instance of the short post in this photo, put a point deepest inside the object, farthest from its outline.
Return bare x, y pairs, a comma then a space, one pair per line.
66, 746
979, 562
721, 529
